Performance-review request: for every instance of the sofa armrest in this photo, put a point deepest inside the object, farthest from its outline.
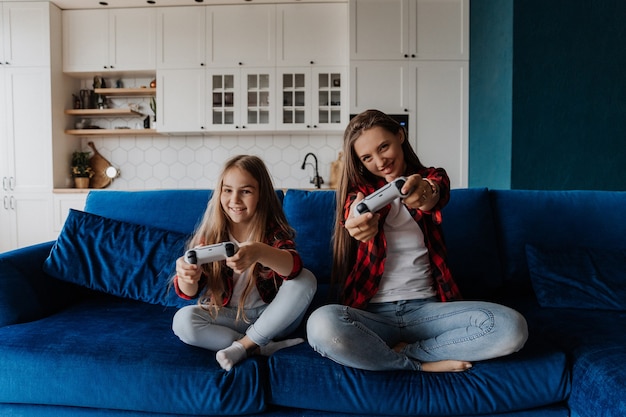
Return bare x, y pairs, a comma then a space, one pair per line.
26, 292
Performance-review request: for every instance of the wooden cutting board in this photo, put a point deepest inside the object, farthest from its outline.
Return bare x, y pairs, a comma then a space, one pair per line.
98, 164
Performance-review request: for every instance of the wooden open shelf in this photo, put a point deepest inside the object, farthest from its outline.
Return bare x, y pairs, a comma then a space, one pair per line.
103, 112
126, 92
111, 132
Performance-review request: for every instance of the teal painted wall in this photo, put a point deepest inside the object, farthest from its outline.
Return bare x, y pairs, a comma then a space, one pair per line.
491, 92
563, 116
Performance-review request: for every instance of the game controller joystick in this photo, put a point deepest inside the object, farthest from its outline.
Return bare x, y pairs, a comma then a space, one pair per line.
211, 253
381, 197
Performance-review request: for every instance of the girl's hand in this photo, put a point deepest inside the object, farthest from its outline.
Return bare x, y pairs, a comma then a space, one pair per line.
187, 273
424, 194
188, 276
364, 226
248, 254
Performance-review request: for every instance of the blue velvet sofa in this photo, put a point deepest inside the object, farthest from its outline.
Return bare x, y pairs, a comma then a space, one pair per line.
85, 321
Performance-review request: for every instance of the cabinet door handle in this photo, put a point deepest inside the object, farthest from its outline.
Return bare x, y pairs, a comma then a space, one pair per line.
4, 183
12, 203
12, 183
6, 202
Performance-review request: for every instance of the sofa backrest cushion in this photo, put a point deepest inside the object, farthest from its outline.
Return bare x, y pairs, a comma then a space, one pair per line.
120, 258
580, 278
312, 215
553, 220
175, 210
470, 236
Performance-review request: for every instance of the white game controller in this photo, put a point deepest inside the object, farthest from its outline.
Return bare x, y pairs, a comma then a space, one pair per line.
211, 253
381, 197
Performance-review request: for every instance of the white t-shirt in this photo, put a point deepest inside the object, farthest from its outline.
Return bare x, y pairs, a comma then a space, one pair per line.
254, 299
407, 274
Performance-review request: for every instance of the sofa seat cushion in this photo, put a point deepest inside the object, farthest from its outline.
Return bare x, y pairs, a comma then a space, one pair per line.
535, 377
119, 354
594, 342
599, 377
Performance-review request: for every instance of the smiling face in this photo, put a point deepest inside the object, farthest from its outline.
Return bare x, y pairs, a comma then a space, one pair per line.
239, 197
381, 152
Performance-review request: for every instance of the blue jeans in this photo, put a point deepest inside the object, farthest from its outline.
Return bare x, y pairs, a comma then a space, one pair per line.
195, 326
434, 331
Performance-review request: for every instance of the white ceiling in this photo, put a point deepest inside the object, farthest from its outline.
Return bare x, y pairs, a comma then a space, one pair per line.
95, 4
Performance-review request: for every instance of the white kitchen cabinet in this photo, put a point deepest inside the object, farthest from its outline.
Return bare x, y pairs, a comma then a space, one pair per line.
24, 34
25, 160
223, 36
242, 35
380, 85
215, 100
435, 96
97, 41
409, 29
412, 57
440, 118
313, 33
25, 125
181, 100
62, 205
312, 98
26, 220
26, 131
182, 37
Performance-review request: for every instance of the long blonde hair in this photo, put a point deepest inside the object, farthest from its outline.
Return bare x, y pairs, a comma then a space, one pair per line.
215, 224
356, 174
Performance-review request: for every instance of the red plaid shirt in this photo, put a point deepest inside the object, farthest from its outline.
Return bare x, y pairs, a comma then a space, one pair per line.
363, 281
268, 281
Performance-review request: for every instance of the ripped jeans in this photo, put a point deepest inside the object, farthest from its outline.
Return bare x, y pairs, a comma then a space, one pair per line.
433, 331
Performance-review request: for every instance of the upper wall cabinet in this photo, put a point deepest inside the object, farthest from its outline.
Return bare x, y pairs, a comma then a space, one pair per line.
109, 40
24, 34
216, 36
181, 37
312, 33
409, 29
242, 35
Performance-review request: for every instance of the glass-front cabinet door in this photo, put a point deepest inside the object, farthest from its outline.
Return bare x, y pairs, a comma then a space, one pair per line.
330, 98
295, 92
314, 98
241, 99
223, 93
258, 87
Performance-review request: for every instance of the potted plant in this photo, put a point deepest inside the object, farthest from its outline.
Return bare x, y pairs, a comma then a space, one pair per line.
81, 170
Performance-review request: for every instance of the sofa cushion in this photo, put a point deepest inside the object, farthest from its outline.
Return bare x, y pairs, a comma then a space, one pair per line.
553, 219
535, 377
116, 257
585, 278
112, 353
175, 210
312, 215
469, 231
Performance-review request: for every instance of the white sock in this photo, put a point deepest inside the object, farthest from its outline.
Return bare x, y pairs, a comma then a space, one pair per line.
231, 356
272, 347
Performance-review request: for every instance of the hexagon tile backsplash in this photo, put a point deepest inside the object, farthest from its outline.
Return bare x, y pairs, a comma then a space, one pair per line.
162, 162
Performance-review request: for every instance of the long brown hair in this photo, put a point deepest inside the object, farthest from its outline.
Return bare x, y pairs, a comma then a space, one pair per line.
215, 224
356, 174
